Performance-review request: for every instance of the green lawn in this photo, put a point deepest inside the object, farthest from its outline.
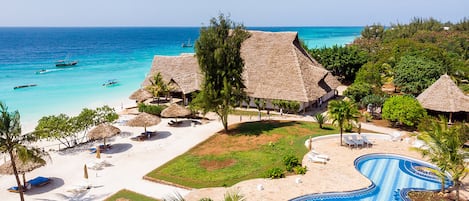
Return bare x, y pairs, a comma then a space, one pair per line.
133, 196
247, 152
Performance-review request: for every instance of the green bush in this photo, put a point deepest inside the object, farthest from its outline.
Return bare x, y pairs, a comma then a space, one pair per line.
290, 162
151, 109
206, 199
274, 173
300, 170
403, 109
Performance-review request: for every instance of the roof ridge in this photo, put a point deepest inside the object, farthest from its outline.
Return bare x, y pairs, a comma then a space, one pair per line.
299, 70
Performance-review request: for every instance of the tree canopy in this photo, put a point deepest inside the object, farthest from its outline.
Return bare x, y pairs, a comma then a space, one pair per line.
415, 74
219, 56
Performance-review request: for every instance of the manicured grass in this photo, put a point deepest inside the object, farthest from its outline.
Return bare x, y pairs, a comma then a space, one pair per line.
246, 152
133, 196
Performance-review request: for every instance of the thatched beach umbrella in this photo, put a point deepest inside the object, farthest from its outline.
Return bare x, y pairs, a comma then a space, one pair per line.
21, 167
175, 110
141, 95
144, 120
444, 96
102, 131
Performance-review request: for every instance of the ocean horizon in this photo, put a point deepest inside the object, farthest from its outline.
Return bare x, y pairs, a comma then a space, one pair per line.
103, 53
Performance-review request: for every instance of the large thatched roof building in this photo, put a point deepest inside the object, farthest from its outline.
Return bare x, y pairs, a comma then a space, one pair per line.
276, 67
444, 96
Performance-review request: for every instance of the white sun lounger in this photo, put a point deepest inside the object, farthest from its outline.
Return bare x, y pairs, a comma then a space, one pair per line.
315, 159
349, 142
318, 155
357, 141
366, 141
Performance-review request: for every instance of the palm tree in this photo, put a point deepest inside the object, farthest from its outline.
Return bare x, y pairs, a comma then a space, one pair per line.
320, 118
342, 112
444, 148
13, 143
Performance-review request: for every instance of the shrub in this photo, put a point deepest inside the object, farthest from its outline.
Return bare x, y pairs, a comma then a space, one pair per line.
403, 109
290, 162
206, 199
357, 91
274, 173
234, 196
320, 118
367, 116
300, 170
151, 109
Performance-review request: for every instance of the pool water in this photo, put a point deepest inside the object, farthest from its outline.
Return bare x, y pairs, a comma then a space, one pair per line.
390, 175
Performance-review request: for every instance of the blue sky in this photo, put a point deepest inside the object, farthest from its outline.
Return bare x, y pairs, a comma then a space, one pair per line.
248, 12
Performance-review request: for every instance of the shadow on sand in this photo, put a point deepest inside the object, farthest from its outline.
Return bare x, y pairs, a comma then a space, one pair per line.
55, 183
118, 148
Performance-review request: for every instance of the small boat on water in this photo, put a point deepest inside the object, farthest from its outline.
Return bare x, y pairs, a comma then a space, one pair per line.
110, 83
44, 71
65, 63
24, 86
188, 44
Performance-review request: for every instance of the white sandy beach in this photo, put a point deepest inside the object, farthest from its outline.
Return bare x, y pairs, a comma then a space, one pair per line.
131, 160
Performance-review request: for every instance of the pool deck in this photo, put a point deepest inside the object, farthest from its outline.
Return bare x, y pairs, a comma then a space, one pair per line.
339, 174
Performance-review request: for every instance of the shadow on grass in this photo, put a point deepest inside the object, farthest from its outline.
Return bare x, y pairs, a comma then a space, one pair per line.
258, 127
327, 128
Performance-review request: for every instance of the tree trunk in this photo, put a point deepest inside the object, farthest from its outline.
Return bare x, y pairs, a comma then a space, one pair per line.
456, 183
15, 172
341, 136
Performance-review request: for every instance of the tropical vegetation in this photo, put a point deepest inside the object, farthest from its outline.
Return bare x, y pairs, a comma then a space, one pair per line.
70, 131
403, 110
444, 148
343, 113
16, 144
219, 56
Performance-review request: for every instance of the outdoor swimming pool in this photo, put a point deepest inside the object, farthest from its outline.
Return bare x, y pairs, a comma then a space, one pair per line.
391, 175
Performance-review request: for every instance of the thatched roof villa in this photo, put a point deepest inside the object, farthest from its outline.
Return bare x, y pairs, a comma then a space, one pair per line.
276, 67
444, 96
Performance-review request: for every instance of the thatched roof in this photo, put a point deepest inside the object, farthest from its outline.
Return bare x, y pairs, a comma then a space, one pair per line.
276, 67
144, 120
175, 110
445, 96
102, 131
182, 71
141, 95
21, 166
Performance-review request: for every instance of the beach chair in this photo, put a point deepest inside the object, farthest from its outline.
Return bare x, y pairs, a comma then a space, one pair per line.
318, 155
15, 189
357, 141
349, 142
39, 181
366, 141
315, 159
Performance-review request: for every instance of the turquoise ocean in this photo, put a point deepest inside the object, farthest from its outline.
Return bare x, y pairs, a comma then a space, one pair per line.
123, 53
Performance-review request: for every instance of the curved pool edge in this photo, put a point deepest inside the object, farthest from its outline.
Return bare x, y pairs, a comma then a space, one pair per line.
403, 193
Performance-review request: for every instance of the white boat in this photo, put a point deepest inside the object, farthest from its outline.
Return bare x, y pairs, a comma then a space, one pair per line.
188, 44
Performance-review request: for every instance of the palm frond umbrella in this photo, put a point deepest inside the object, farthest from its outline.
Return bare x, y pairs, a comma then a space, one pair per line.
175, 110
141, 95
144, 120
21, 167
103, 131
